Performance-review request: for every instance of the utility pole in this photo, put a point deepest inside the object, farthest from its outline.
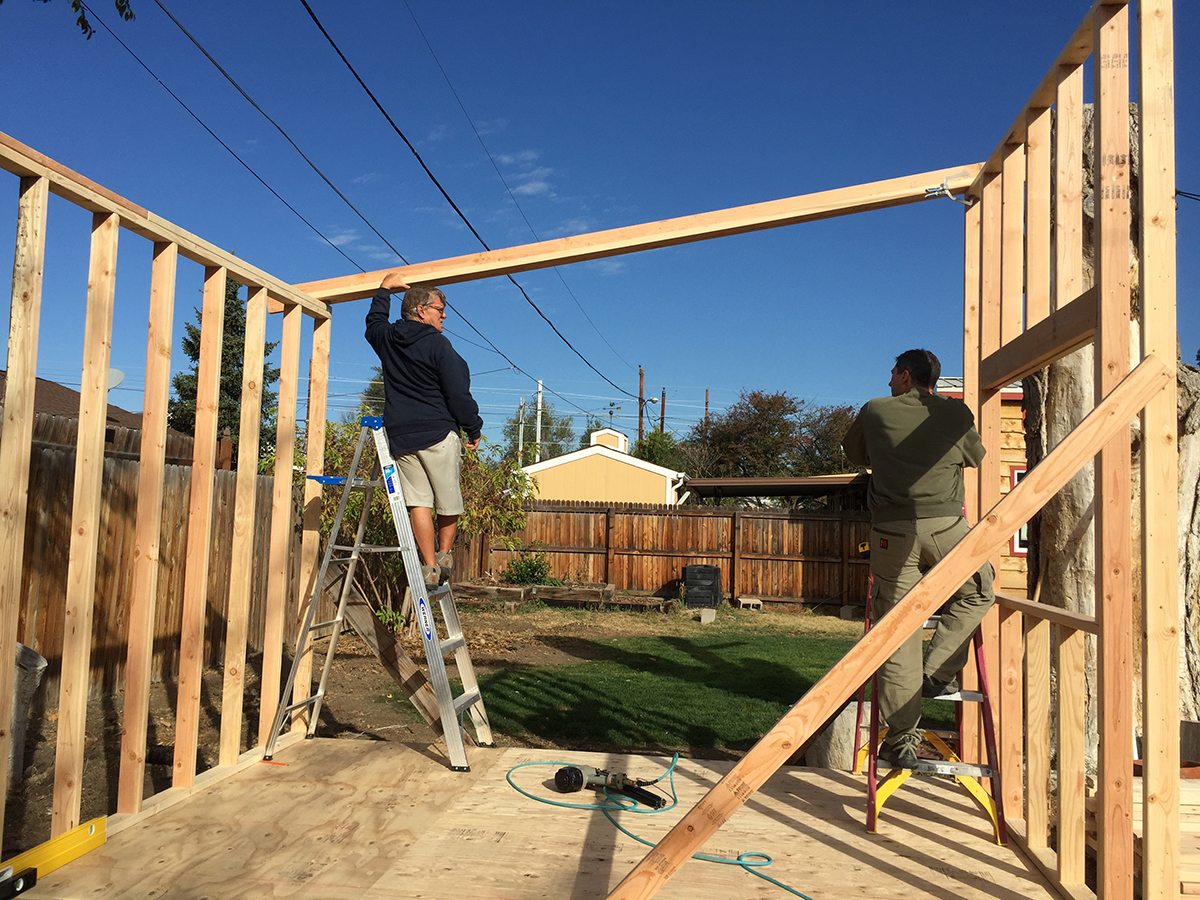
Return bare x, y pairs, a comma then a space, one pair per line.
538, 454
521, 433
641, 399
662, 414
706, 406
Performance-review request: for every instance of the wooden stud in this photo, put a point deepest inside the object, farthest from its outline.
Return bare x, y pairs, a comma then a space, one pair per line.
1114, 609
1012, 241
1068, 192
1007, 689
25, 161
23, 324
814, 708
667, 233
1072, 702
85, 522
1160, 587
988, 418
970, 722
242, 552
281, 523
1037, 216
1037, 732
318, 386
1054, 337
151, 470
199, 535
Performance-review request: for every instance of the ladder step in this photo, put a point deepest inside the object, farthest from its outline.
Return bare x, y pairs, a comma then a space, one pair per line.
299, 705
961, 697
452, 643
332, 621
440, 589
942, 767
367, 548
469, 698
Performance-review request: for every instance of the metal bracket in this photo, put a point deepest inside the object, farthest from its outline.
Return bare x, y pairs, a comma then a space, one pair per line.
943, 190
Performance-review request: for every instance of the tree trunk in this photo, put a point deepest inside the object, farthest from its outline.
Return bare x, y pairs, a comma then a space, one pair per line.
1189, 542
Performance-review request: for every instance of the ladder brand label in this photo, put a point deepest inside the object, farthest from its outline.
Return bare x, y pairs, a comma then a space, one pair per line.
423, 612
389, 478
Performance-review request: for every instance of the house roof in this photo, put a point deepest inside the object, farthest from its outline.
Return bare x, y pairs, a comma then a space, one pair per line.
952, 386
58, 400
810, 486
601, 450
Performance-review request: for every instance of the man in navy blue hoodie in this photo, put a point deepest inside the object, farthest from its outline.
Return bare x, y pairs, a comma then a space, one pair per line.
427, 402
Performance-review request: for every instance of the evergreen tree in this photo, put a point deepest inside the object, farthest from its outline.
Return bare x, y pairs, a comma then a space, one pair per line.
181, 412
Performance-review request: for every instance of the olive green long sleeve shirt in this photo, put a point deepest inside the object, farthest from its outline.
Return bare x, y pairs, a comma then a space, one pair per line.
916, 445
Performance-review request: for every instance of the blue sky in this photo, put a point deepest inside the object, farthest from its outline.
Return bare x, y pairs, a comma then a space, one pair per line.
597, 116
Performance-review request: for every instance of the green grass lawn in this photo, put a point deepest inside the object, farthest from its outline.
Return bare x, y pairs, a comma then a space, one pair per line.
718, 691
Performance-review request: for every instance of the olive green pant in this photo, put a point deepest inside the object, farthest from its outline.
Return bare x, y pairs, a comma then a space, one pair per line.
901, 552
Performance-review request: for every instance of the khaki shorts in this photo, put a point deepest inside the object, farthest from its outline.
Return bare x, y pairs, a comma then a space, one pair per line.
430, 477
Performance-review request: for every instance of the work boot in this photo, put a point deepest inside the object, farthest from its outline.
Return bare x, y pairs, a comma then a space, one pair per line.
902, 757
445, 560
932, 688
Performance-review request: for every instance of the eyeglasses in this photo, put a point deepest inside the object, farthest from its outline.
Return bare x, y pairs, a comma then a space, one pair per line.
440, 310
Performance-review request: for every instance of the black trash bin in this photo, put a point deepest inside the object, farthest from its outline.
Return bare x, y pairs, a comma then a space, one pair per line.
702, 586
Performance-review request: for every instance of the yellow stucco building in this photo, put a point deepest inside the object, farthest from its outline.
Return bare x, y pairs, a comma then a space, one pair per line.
605, 473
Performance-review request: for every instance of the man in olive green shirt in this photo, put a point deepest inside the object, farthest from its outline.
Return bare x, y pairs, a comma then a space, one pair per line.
916, 444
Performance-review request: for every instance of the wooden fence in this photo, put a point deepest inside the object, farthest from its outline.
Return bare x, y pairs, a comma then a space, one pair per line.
781, 556
47, 540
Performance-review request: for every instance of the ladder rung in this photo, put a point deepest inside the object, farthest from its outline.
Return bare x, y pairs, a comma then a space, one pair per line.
942, 767
324, 624
452, 643
470, 698
302, 703
328, 479
961, 697
440, 589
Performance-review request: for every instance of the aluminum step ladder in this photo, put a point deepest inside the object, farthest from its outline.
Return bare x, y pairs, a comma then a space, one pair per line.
451, 709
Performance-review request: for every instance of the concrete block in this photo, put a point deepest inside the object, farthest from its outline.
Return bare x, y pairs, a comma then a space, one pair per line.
707, 616
749, 603
833, 748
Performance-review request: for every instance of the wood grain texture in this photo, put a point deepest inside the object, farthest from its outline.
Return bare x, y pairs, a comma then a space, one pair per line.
318, 386
277, 611
1038, 749
1160, 588
1009, 697
85, 524
146, 559
242, 550
199, 537
1072, 702
1037, 215
665, 233
814, 708
1114, 606
1062, 333
1012, 240
25, 310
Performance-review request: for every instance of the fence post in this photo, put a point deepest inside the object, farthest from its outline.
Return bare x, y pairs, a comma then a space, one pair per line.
608, 545
735, 556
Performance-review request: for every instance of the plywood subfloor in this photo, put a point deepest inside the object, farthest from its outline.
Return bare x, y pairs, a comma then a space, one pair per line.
369, 820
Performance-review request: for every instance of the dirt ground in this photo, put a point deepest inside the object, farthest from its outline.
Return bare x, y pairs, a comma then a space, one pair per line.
361, 699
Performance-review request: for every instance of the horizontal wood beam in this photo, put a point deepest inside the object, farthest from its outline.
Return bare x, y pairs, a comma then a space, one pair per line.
665, 233
814, 708
1056, 336
70, 185
1075, 53
1055, 614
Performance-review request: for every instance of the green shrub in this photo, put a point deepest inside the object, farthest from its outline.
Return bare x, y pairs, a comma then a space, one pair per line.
530, 568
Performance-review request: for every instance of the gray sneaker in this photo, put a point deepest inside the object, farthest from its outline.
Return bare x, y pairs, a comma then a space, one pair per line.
431, 574
902, 757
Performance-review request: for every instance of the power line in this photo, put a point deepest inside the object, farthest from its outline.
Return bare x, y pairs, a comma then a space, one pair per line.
450, 200
278, 128
1188, 194
504, 181
245, 165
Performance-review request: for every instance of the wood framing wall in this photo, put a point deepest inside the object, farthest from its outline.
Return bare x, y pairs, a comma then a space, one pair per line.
39, 177
1024, 306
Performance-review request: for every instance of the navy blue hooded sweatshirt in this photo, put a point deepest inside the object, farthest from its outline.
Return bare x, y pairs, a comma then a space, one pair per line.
426, 384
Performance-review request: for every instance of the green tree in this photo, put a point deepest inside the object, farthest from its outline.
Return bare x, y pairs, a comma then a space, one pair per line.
124, 10
181, 411
370, 401
659, 448
558, 436
594, 424
768, 436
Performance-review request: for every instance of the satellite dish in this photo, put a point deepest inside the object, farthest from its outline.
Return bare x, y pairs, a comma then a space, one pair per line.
115, 377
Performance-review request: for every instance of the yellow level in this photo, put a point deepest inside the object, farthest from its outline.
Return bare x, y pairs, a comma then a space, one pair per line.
59, 851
